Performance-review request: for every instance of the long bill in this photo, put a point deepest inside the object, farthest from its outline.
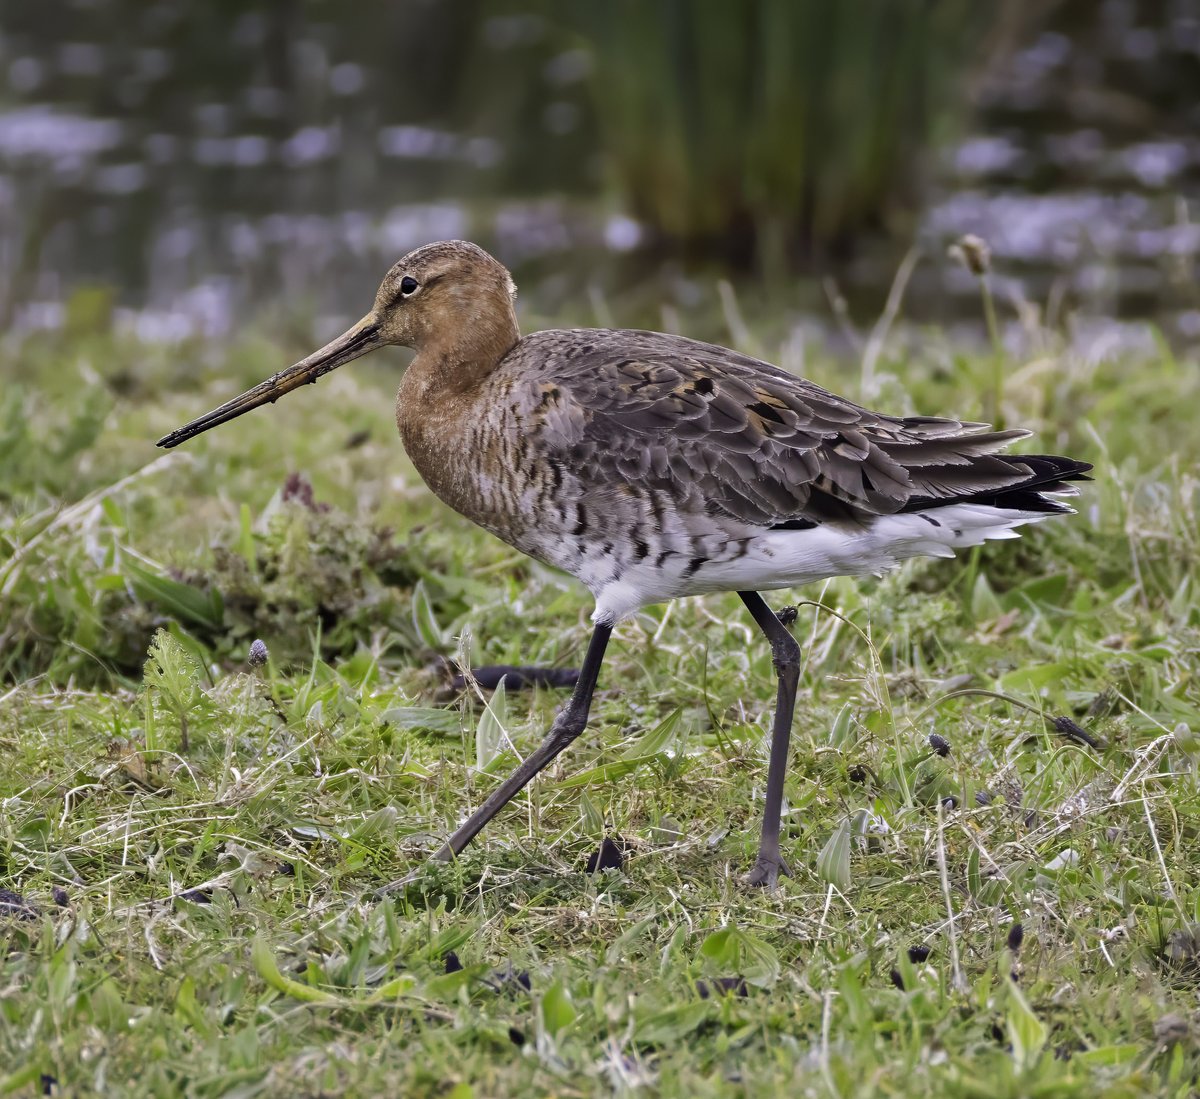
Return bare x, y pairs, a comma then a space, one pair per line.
351, 344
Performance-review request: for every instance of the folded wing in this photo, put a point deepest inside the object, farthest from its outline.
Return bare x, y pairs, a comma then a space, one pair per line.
740, 438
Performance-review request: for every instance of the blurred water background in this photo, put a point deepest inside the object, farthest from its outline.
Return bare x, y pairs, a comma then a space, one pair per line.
178, 167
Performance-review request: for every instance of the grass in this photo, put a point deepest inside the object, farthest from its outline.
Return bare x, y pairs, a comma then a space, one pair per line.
1015, 917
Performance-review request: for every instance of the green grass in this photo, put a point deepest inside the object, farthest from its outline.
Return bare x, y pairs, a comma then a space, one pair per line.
206, 922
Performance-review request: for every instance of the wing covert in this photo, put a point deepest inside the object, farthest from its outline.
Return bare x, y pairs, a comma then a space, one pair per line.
729, 433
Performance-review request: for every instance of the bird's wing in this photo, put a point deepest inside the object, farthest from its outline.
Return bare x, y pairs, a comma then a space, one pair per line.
739, 437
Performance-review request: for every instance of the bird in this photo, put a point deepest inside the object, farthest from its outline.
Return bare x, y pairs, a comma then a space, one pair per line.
652, 467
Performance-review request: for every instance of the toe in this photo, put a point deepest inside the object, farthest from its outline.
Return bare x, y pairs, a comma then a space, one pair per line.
765, 874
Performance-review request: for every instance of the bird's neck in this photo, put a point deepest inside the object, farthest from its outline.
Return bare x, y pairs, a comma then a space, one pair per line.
452, 363
443, 401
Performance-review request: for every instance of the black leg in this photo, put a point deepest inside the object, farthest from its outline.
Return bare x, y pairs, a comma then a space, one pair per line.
567, 726
786, 656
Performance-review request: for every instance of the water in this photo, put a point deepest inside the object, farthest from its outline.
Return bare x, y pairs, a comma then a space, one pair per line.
1086, 173
212, 159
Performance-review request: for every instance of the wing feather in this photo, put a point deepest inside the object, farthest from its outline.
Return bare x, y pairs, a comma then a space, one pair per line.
749, 440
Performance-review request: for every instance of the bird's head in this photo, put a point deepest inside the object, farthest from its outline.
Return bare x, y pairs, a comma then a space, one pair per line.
451, 302
440, 290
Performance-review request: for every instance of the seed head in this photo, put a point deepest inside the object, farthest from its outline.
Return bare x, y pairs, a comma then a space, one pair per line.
1016, 936
973, 253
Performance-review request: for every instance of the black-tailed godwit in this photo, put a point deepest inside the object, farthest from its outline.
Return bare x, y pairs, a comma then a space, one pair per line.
651, 466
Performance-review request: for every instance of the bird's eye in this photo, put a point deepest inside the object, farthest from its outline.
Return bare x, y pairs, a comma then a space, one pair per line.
408, 285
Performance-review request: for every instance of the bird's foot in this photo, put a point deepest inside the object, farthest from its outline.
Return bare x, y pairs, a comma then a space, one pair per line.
766, 872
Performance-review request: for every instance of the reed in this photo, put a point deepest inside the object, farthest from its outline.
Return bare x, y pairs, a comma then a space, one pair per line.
775, 129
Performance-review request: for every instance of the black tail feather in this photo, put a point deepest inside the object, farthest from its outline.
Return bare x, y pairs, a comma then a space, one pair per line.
1047, 474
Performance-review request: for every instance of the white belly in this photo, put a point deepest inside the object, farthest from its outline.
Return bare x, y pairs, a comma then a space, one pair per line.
790, 558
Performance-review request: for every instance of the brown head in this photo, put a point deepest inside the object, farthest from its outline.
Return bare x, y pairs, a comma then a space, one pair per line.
450, 301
